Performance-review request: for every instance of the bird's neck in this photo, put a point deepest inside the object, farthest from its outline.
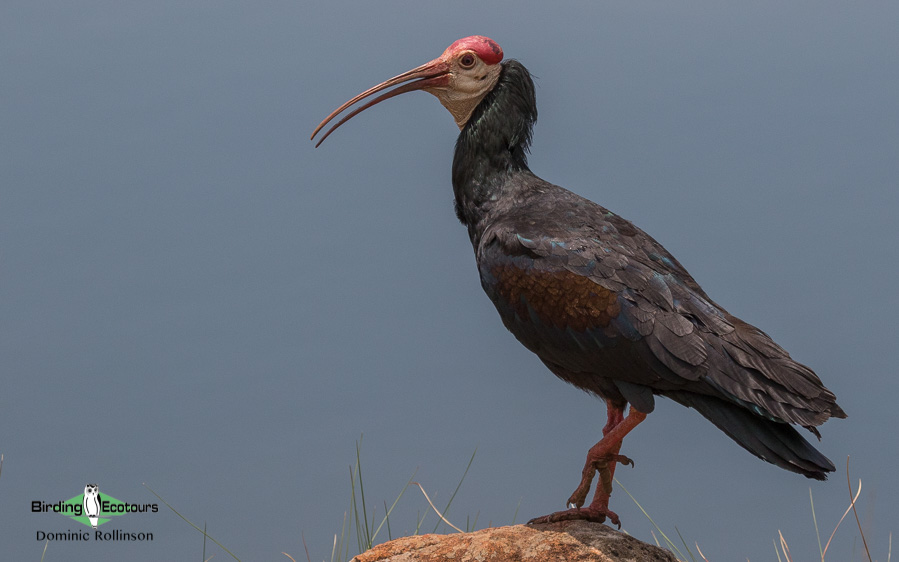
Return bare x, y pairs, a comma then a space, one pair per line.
492, 148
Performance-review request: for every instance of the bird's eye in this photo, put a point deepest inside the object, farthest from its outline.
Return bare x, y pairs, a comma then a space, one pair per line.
467, 60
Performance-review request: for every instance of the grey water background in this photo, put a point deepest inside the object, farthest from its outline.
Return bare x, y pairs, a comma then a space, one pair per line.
194, 298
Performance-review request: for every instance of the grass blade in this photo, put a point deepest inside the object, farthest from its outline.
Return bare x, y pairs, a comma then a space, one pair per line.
700, 552
890, 548
785, 547
845, 513
855, 512
671, 545
420, 521
388, 511
355, 508
367, 529
685, 544
515, 515
189, 522
459, 485
434, 507
811, 499
305, 547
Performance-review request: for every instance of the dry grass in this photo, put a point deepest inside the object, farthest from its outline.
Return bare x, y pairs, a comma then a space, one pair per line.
781, 546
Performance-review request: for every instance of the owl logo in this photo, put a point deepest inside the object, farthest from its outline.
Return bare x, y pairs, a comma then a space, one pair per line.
92, 503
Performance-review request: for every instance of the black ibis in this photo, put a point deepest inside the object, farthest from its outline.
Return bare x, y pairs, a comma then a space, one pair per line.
599, 301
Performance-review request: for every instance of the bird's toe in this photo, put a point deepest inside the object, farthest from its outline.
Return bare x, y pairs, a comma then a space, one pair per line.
579, 497
593, 514
621, 459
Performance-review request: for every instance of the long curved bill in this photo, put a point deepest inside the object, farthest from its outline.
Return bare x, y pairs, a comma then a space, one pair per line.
431, 75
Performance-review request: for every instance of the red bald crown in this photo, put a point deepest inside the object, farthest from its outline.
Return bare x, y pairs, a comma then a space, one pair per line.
484, 47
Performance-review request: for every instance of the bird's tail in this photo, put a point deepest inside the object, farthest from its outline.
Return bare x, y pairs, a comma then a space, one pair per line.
775, 442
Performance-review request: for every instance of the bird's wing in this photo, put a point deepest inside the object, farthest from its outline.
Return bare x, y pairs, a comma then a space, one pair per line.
572, 293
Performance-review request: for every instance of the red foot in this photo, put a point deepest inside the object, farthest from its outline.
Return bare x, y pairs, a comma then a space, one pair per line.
602, 459
579, 496
595, 514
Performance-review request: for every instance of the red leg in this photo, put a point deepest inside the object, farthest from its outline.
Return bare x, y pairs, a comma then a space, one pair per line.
615, 415
603, 458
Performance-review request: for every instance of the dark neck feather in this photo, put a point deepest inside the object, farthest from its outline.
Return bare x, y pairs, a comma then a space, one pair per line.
493, 145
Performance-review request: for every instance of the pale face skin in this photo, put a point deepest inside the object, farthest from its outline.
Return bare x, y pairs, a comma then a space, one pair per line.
470, 78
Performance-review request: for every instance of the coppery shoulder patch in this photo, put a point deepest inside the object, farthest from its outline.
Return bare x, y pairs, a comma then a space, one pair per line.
559, 298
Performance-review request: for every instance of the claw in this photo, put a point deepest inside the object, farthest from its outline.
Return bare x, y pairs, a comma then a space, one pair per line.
605, 461
621, 459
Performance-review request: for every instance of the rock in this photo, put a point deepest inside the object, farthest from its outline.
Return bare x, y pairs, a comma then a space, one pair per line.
548, 542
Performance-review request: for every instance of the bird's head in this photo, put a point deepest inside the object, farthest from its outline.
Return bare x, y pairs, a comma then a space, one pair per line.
460, 78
